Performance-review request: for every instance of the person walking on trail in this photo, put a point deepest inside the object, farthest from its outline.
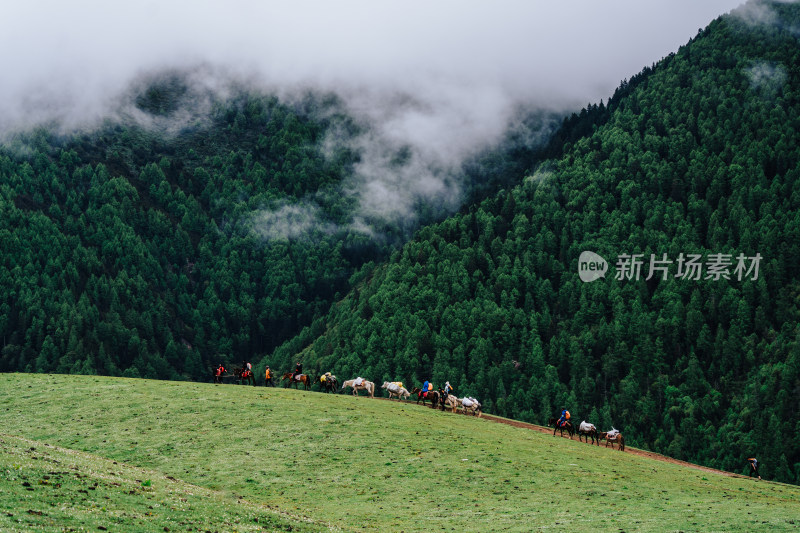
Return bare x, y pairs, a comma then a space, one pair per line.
218, 373
448, 389
268, 376
753, 467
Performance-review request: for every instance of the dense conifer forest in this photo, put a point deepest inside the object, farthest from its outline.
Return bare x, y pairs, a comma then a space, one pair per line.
159, 247
135, 251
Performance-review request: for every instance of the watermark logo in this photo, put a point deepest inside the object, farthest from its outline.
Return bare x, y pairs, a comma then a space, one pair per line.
591, 266
686, 267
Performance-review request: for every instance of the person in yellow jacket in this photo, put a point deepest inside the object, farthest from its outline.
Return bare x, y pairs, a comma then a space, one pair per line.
269, 382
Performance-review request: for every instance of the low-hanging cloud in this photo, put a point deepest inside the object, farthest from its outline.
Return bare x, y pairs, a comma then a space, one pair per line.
434, 82
763, 13
756, 12
769, 77
71, 60
288, 222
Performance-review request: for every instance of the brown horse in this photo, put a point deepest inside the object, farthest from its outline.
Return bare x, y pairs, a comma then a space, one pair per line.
242, 375
301, 378
433, 396
618, 438
330, 384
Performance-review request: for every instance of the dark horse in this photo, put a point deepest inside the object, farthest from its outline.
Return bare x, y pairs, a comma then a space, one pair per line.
242, 375
567, 425
591, 432
329, 385
432, 395
301, 378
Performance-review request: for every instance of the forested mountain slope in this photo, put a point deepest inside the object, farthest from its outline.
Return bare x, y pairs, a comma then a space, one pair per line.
195, 228
699, 157
134, 249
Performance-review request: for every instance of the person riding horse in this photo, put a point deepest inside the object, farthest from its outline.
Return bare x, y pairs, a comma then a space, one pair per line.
562, 423
297, 370
426, 388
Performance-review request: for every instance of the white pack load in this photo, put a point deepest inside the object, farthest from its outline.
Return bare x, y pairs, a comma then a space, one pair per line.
613, 433
358, 381
391, 387
586, 426
469, 402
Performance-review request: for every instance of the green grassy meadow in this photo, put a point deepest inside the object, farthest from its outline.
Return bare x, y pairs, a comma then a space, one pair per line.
45, 488
310, 461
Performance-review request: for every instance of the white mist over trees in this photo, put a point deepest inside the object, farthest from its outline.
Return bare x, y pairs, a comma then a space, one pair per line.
437, 82
464, 63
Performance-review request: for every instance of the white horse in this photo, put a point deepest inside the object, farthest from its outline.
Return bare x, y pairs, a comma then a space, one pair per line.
472, 404
395, 390
362, 385
450, 402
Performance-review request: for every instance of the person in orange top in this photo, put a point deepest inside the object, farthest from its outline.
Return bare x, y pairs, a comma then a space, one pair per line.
218, 373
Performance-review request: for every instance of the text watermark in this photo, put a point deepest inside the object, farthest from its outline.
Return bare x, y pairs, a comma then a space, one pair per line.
592, 266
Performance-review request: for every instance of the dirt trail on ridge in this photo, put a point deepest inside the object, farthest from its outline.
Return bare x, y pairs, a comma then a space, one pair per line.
628, 449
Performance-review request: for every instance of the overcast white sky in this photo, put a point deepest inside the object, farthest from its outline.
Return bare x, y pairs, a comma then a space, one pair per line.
74, 55
442, 77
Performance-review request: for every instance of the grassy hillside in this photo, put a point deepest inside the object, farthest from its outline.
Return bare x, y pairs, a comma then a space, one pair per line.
51, 488
353, 463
